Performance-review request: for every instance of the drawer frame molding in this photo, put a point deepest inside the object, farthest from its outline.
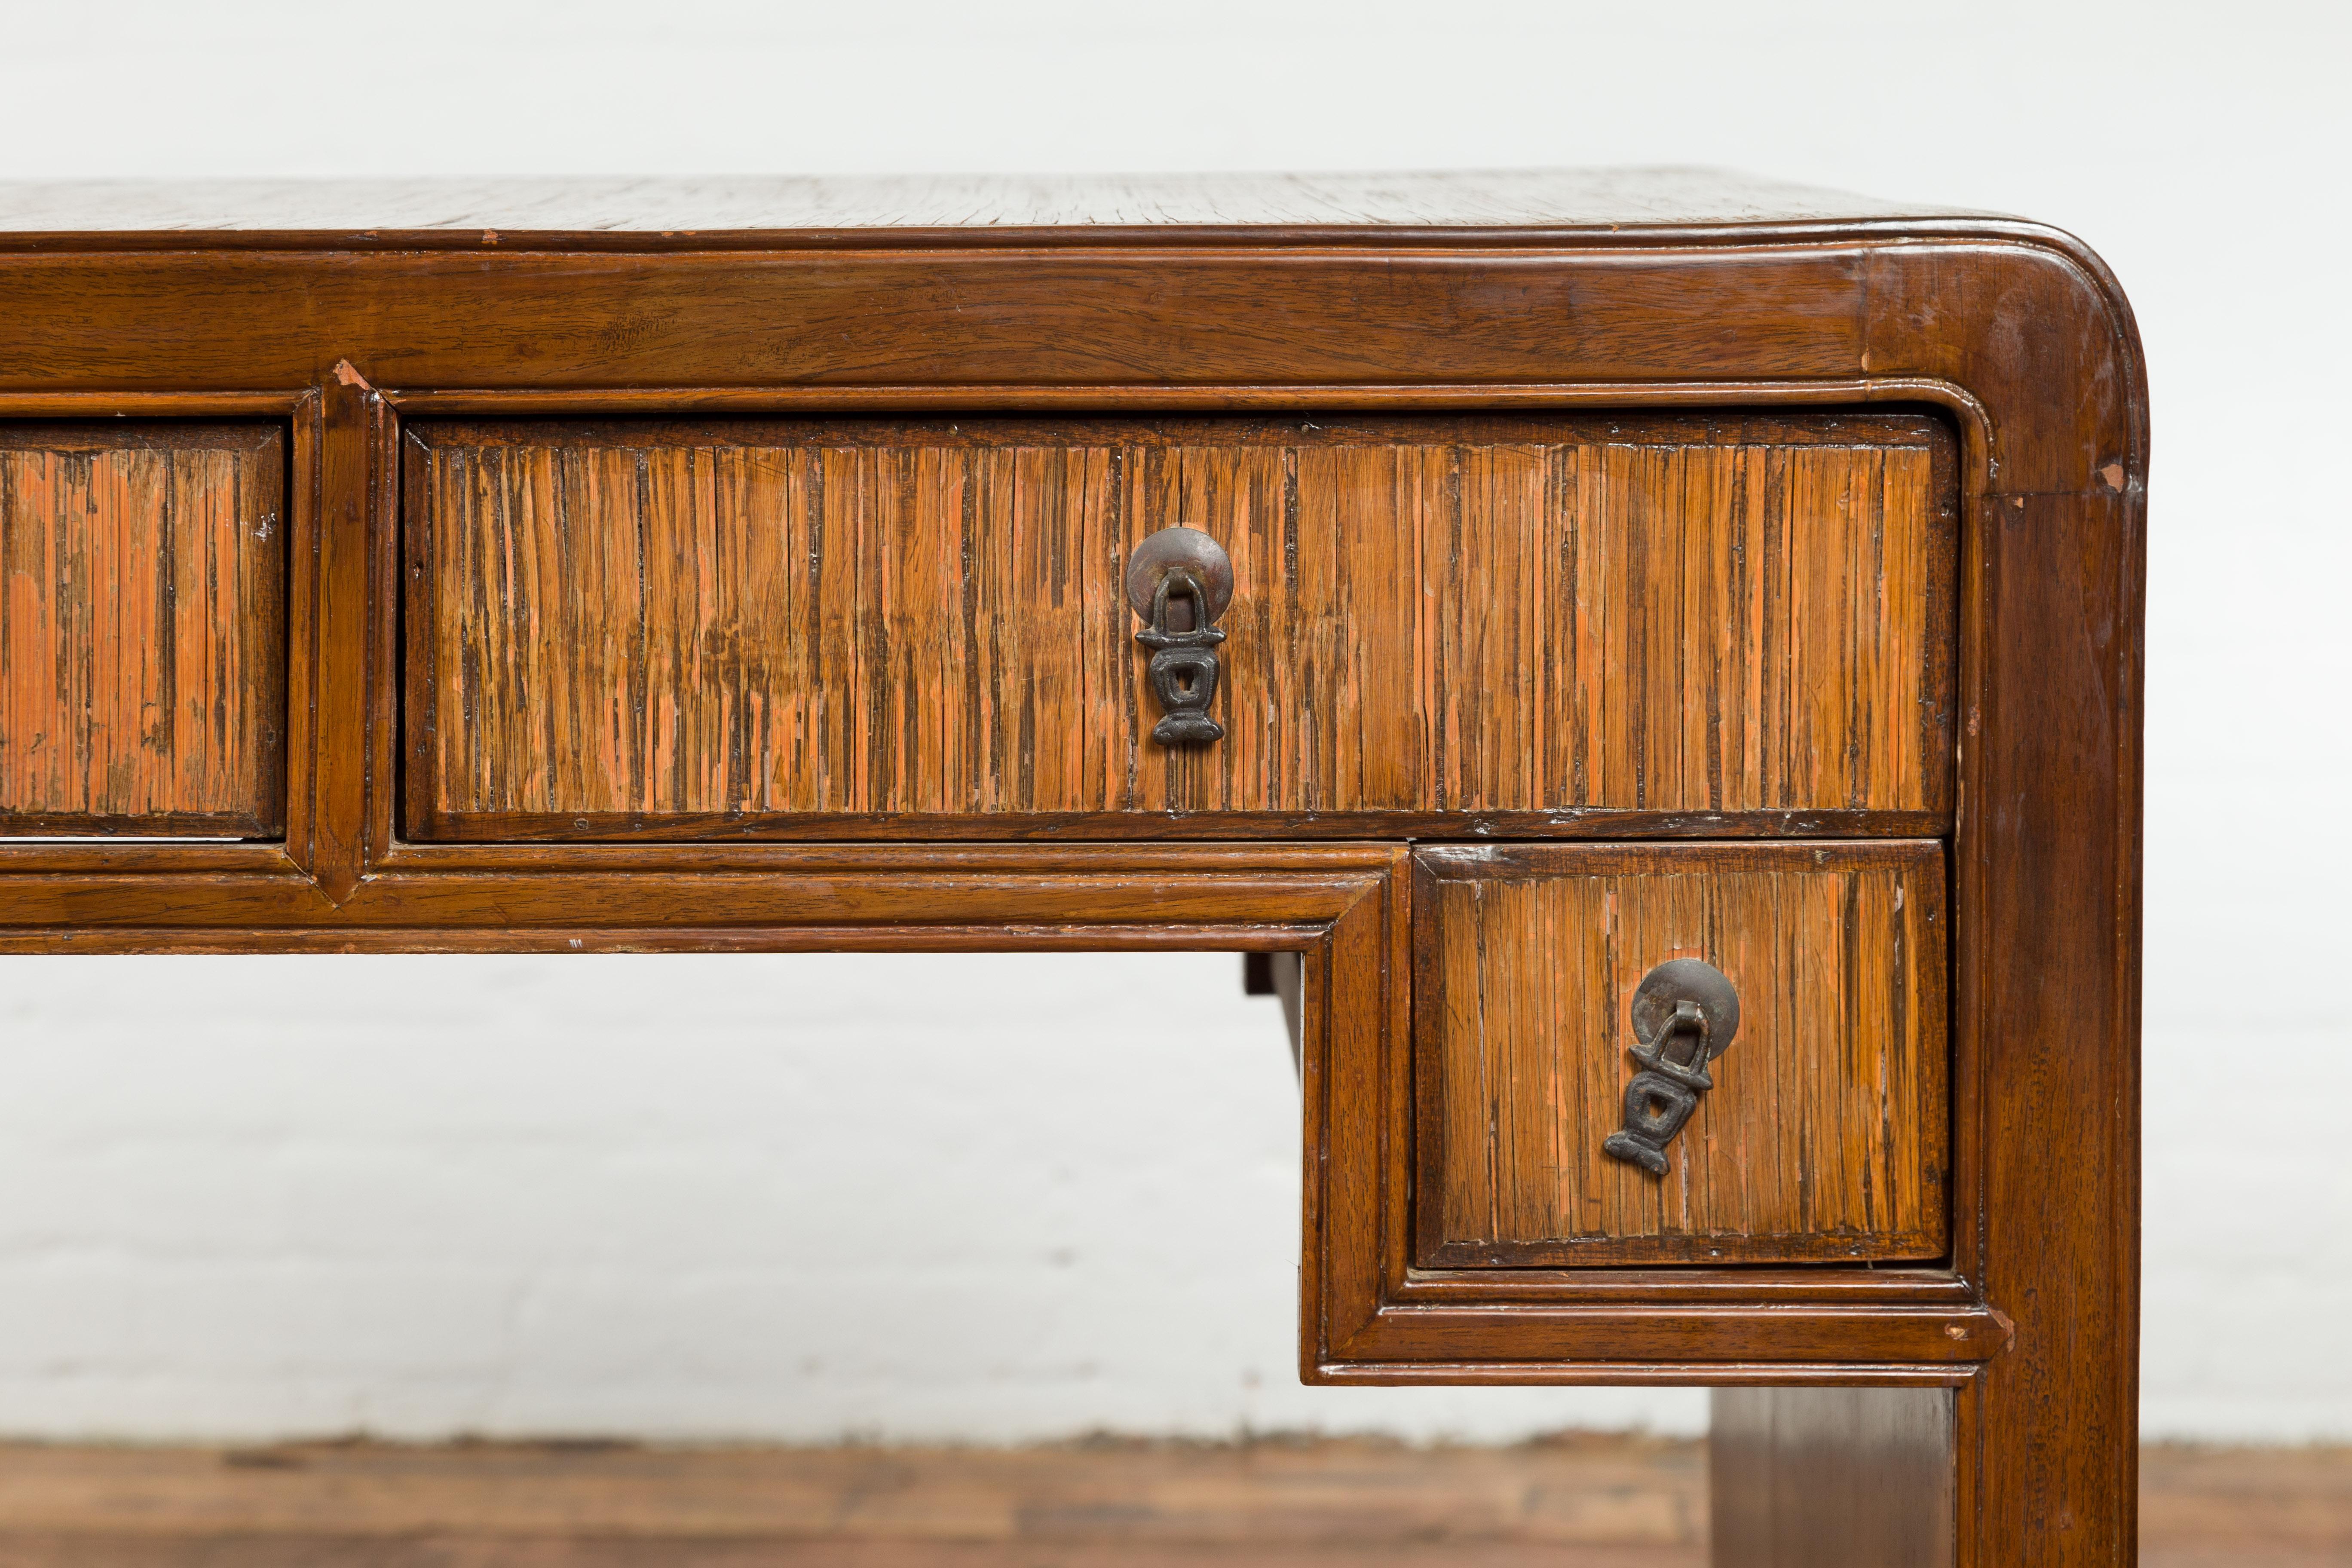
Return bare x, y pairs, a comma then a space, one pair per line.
478, 766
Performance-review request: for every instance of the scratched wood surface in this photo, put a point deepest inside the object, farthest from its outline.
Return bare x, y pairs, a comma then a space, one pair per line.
1825, 1135
710, 627
142, 629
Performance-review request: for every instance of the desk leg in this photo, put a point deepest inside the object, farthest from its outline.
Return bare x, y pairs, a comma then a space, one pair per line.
1281, 975
1861, 1477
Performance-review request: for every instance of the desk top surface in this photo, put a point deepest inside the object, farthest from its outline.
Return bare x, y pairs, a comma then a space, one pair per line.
1505, 204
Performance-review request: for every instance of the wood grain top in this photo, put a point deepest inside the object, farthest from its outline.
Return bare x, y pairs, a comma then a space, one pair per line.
962, 209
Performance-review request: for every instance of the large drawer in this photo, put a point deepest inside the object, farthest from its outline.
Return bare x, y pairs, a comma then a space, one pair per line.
1824, 1135
143, 628
768, 627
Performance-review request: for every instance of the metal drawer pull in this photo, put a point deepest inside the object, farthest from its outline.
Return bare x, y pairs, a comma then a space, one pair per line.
1684, 1013
1179, 581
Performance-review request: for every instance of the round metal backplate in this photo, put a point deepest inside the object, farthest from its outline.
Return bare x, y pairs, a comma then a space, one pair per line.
1687, 980
1187, 547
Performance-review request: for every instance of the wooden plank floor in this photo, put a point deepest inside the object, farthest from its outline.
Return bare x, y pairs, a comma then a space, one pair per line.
1574, 1502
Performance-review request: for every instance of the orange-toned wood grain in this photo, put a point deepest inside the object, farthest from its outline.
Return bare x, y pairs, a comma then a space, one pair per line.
1431, 615
1825, 1135
142, 654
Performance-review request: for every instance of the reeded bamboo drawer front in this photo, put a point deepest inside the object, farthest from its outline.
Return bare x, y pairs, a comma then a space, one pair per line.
1824, 1135
142, 634
740, 626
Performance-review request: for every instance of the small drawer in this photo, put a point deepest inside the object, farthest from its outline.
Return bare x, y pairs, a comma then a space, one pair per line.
919, 628
143, 628
1824, 1134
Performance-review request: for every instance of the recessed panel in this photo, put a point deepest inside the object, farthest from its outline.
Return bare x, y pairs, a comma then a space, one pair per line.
1818, 1129
143, 637
770, 627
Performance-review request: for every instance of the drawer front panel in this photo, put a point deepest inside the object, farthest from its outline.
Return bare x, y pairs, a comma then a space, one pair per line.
1825, 1133
743, 624
143, 641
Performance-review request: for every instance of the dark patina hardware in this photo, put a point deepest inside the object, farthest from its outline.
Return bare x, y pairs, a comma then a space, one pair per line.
1179, 581
1684, 1013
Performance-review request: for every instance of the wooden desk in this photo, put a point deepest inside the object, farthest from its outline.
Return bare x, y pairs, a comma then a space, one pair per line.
1625, 571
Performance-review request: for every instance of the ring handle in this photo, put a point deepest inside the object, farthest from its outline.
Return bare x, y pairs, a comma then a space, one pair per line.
1179, 581
1684, 1013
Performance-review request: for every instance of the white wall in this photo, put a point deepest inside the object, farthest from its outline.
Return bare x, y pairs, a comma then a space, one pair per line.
996, 1199
902, 1195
